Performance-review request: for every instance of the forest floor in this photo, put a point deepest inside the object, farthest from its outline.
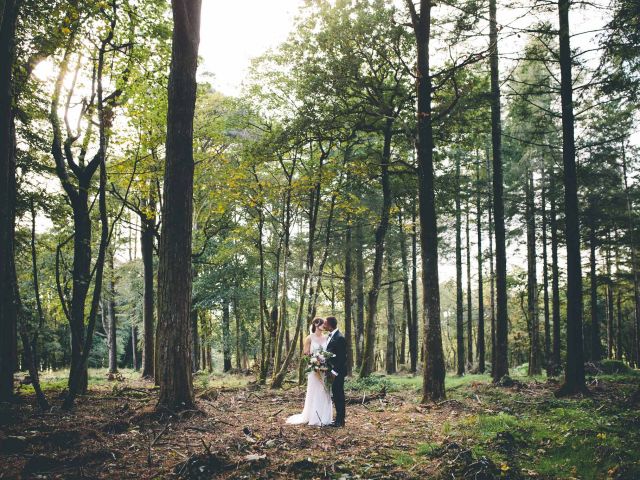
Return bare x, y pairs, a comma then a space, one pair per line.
238, 431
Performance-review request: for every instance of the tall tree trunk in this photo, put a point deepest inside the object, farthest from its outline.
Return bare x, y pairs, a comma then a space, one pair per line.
545, 279
469, 296
535, 367
8, 302
596, 353
368, 358
480, 335
413, 328
501, 359
236, 314
459, 296
226, 336
146, 246
134, 347
555, 287
610, 315
406, 297
434, 369
574, 371
619, 325
348, 302
491, 270
111, 309
264, 362
174, 272
359, 334
307, 281
634, 259
390, 356
30, 343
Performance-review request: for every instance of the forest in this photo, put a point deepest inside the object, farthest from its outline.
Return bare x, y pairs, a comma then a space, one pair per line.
458, 182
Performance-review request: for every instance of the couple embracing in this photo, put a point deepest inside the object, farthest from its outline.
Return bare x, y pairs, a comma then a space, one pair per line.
327, 350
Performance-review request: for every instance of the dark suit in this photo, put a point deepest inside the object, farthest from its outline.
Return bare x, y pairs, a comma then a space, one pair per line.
338, 346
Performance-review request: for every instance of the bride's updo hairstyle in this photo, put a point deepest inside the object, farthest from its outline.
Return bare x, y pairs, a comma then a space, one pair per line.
316, 323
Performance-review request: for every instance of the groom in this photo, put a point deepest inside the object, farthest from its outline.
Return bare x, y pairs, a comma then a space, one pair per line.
337, 345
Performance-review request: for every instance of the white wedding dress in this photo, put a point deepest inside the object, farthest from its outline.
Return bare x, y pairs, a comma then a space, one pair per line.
318, 409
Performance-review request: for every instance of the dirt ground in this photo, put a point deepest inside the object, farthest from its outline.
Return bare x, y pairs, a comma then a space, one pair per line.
234, 433
240, 432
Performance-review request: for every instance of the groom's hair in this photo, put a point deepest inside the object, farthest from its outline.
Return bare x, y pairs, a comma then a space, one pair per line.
332, 321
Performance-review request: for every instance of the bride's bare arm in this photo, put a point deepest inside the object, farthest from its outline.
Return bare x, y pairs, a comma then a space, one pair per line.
306, 348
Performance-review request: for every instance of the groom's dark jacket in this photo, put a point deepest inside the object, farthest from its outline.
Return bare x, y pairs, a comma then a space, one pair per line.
338, 346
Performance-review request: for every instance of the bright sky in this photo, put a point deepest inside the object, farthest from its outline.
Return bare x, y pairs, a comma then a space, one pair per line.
234, 32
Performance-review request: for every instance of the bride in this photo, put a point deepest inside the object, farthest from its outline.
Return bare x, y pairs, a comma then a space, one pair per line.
318, 409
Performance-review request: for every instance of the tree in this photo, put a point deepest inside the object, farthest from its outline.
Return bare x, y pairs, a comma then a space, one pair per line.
8, 305
434, 369
174, 273
574, 370
501, 367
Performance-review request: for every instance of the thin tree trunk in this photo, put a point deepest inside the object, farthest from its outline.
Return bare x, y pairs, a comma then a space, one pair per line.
359, 293
459, 296
545, 279
111, 309
134, 347
480, 335
491, 270
535, 367
596, 353
406, 298
413, 328
634, 260
610, 315
574, 371
555, 288
146, 246
174, 273
368, 357
390, 356
236, 314
469, 297
348, 302
226, 336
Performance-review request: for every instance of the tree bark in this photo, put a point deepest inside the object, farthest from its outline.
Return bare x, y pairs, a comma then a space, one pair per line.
174, 272
406, 297
8, 302
610, 314
555, 287
368, 358
634, 259
147, 235
535, 366
390, 357
359, 333
469, 296
545, 279
491, 269
574, 371
459, 296
501, 359
596, 349
413, 328
111, 313
226, 336
434, 369
480, 335
348, 302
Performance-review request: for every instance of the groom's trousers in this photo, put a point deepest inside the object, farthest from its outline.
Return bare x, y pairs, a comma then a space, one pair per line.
337, 390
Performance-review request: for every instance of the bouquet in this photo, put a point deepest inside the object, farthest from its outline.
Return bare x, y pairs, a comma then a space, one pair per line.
318, 363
